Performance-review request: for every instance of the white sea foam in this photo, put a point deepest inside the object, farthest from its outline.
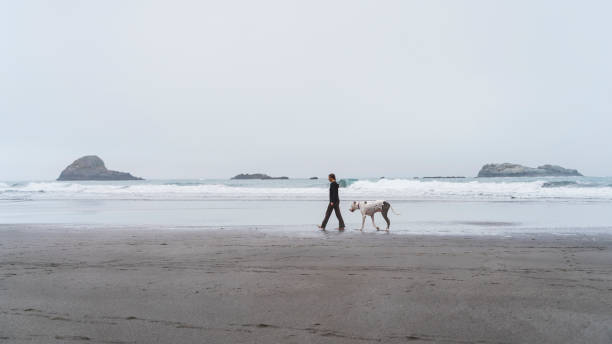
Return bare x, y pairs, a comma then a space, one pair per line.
60, 190
411, 189
390, 189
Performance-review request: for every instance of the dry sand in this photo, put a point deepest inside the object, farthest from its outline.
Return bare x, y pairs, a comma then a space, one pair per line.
138, 285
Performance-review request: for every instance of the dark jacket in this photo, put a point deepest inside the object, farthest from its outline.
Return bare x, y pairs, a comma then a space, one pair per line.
333, 192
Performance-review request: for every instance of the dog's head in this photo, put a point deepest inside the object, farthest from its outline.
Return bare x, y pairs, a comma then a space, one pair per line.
354, 206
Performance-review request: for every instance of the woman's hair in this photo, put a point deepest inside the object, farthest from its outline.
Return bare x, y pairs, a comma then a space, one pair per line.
332, 176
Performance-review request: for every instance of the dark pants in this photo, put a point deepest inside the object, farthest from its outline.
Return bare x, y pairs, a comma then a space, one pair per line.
336, 208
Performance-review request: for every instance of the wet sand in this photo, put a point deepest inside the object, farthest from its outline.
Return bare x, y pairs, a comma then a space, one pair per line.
136, 285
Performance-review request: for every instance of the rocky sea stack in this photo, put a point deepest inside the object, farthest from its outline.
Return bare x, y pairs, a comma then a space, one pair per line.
91, 167
515, 170
256, 176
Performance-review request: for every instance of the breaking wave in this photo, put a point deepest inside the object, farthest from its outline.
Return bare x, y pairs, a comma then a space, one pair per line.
390, 189
539, 189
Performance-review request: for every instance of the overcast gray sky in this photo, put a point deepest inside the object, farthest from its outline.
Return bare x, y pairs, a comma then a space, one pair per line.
201, 89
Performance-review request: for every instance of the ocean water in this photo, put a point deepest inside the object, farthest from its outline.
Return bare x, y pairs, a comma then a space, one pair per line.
559, 205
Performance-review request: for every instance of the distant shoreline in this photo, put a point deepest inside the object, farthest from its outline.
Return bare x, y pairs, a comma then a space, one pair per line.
442, 177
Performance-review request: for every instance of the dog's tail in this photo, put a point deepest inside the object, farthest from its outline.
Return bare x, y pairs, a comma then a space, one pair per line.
393, 210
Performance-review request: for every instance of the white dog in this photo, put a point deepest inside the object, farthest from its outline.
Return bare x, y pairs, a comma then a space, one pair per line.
369, 208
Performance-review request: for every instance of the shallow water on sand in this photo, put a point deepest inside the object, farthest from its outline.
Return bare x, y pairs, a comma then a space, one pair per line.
417, 217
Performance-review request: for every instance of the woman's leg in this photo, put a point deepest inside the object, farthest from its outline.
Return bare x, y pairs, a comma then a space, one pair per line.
327, 215
338, 215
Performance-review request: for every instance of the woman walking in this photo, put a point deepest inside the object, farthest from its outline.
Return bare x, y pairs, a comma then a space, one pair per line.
334, 203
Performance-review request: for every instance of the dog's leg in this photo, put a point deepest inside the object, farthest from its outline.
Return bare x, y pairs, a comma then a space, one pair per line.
362, 222
374, 223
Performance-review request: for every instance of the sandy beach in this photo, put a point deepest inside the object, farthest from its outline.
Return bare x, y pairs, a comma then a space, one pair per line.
165, 167
162, 285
